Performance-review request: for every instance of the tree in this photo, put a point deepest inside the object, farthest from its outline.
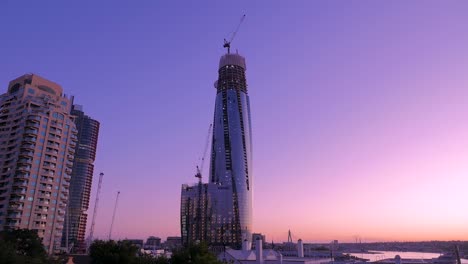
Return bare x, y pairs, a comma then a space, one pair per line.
112, 252
196, 254
22, 246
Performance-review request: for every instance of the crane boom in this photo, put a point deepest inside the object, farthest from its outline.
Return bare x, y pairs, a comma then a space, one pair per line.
93, 222
205, 150
113, 214
227, 44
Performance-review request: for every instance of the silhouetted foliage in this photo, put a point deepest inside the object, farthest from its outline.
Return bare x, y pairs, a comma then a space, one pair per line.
112, 252
196, 254
22, 246
148, 259
120, 252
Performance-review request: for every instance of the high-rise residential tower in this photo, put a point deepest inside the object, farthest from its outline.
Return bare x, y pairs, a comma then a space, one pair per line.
231, 153
220, 212
82, 177
37, 146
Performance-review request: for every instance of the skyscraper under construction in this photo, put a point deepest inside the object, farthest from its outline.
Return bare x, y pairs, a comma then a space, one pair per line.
220, 212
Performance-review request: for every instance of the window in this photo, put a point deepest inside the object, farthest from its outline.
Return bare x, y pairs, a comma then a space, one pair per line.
63, 103
31, 91
30, 199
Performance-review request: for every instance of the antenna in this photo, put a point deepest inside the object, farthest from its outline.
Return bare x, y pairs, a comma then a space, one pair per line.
113, 215
227, 44
93, 222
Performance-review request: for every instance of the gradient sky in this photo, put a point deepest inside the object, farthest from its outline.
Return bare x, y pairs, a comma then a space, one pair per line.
359, 108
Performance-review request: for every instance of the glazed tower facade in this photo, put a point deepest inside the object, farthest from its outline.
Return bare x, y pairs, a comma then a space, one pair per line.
37, 147
220, 212
231, 154
82, 177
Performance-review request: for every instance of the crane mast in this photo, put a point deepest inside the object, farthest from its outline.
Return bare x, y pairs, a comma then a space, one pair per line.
113, 214
93, 222
199, 230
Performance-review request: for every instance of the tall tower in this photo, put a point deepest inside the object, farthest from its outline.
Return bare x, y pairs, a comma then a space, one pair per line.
231, 154
37, 146
82, 177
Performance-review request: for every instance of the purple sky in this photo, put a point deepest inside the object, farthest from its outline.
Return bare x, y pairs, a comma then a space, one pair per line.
359, 108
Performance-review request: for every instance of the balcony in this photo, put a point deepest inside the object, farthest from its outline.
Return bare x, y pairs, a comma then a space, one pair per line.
60, 219
65, 184
24, 168
49, 165
41, 210
31, 140
72, 144
50, 158
67, 177
28, 146
31, 131
34, 118
15, 207
24, 161
74, 131
61, 212
70, 157
71, 151
19, 191
20, 184
17, 199
53, 151
44, 195
12, 224
14, 216
47, 180
22, 175
32, 125
46, 187
63, 198
40, 226
53, 145
26, 153
73, 137
48, 172
44, 202
69, 164
42, 217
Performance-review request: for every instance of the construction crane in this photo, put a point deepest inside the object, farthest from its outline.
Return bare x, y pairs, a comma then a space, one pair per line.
113, 214
93, 222
227, 44
202, 161
199, 232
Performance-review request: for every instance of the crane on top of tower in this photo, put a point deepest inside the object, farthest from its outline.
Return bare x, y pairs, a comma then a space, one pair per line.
202, 160
227, 44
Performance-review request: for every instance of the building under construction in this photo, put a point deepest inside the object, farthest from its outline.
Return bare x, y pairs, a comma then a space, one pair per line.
220, 212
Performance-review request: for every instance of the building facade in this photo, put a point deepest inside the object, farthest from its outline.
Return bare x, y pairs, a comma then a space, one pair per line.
37, 146
231, 154
82, 177
220, 212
